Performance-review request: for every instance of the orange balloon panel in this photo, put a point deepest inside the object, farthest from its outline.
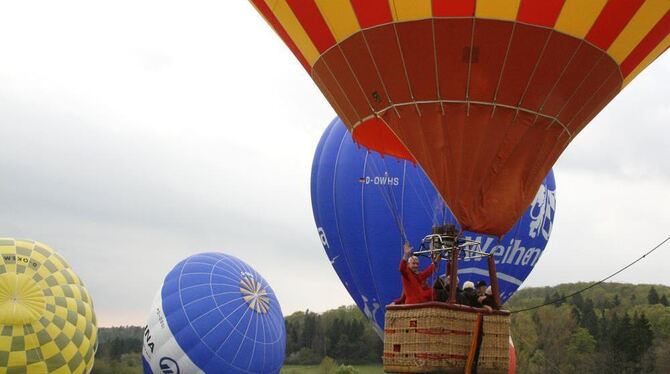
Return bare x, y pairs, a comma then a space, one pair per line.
485, 95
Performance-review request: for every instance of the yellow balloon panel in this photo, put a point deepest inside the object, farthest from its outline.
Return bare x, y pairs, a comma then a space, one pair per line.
47, 323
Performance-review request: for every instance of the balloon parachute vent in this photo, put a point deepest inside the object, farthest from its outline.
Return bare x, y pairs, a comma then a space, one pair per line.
22, 300
255, 295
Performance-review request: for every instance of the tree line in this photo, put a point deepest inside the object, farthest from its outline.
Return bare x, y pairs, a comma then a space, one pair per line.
612, 328
119, 350
342, 334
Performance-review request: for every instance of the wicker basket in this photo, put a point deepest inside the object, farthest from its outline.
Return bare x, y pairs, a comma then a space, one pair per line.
436, 338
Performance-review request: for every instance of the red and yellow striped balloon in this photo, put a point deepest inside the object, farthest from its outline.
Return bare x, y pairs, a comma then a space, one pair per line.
484, 94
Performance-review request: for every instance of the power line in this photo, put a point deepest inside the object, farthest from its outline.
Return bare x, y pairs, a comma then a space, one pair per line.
594, 284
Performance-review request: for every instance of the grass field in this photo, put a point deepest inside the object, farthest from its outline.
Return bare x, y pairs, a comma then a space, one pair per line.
295, 369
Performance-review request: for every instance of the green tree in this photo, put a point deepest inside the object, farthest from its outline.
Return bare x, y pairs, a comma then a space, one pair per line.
581, 342
555, 327
652, 297
587, 317
557, 299
327, 366
642, 338
664, 301
117, 349
578, 301
580, 352
662, 353
292, 333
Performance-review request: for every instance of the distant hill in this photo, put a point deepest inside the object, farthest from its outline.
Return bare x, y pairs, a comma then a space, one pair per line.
610, 328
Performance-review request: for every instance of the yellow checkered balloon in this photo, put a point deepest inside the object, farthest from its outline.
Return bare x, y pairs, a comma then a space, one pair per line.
47, 323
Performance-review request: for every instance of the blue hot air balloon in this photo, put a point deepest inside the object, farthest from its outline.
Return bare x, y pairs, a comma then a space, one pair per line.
214, 314
365, 206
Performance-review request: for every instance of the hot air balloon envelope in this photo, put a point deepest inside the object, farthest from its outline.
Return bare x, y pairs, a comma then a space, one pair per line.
46, 314
485, 95
214, 314
365, 206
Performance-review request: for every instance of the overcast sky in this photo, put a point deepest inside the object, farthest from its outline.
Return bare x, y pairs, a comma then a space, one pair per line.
135, 133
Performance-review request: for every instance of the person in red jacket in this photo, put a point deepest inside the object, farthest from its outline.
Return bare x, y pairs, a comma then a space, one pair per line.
414, 287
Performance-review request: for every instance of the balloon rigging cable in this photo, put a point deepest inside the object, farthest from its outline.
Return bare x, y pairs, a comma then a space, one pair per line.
596, 283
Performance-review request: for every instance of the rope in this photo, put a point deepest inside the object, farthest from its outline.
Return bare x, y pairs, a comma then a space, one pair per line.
386, 193
596, 283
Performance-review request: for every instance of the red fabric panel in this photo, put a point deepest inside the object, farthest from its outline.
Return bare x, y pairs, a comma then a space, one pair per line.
527, 44
372, 12
543, 13
416, 43
481, 154
452, 143
581, 64
650, 41
333, 89
490, 43
439, 146
404, 126
601, 72
486, 151
426, 136
356, 52
504, 184
451, 8
312, 21
384, 47
556, 55
345, 78
272, 20
374, 134
452, 36
524, 144
611, 21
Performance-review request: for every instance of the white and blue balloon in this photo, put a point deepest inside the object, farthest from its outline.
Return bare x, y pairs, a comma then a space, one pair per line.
214, 314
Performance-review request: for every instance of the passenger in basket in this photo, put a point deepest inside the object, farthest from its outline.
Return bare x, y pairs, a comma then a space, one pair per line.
441, 289
481, 294
489, 302
470, 295
481, 288
414, 285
